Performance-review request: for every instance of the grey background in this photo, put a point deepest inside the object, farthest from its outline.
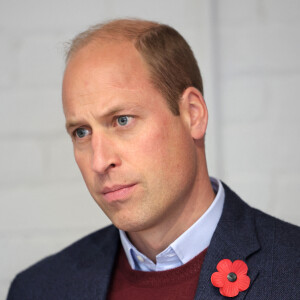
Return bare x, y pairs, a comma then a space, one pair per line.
248, 52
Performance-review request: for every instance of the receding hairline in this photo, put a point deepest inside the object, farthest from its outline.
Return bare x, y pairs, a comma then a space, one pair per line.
168, 57
113, 30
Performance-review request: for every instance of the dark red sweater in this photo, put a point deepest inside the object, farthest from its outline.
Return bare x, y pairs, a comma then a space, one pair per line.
179, 283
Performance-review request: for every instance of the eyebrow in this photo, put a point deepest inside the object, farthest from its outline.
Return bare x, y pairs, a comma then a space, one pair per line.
110, 112
71, 124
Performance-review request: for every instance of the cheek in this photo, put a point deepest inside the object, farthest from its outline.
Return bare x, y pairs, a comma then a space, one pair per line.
164, 149
151, 148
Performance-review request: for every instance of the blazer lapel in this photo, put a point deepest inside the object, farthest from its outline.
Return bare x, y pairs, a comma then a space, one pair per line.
235, 238
95, 268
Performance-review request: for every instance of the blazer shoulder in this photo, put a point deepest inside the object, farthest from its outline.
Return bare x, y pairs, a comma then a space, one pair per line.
66, 267
283, 233
269, 229
281, 243
84, 247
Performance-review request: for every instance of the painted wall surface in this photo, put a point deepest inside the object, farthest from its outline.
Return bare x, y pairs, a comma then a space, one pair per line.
248, 54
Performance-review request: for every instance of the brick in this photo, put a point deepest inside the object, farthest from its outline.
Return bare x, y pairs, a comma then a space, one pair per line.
51, 16
40, 61
237, 13
284, 105
196, 38
243, 99
46, 158
273, 193
282, 12
200, 21
4, 285
285, 147
240, 50
285, 190
280, 48
247, 148
60, 164
57, 205
21, 161
31, 112
254, 188
249, 13
145, 9
259, 50
8, 53
261, 147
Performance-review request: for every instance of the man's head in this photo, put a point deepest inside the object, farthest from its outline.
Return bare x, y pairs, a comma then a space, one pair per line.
142, 163
170, 60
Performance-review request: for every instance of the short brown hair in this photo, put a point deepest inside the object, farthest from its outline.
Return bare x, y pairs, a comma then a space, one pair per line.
171, 62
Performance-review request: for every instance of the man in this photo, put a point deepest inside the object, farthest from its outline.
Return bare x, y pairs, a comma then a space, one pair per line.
134, 108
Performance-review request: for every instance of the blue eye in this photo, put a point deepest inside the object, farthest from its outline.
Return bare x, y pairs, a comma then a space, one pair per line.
81, 132
123, 120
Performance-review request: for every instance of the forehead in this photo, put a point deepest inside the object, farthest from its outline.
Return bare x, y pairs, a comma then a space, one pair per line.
118, 65
103, 79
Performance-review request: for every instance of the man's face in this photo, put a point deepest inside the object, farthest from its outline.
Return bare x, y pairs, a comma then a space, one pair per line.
138, 160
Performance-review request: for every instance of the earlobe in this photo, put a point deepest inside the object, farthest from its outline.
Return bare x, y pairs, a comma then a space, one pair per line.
194, 109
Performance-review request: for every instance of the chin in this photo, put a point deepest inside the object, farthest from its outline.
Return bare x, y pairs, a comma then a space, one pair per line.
127, 226
128, 223
128, 217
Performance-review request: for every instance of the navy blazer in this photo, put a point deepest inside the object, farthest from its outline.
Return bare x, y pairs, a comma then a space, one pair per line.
269, 247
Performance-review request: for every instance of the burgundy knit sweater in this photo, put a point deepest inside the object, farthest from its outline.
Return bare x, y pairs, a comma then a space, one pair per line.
179, 283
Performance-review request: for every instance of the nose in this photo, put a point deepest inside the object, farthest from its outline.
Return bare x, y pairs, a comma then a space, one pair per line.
105, 156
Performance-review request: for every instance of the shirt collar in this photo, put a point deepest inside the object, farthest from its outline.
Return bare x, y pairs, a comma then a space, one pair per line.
192, 242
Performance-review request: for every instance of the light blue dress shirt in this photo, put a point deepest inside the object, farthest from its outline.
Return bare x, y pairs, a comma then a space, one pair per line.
188, 245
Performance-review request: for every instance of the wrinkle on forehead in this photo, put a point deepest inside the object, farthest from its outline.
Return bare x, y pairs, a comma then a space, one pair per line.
133, 90
107, 100
105, 94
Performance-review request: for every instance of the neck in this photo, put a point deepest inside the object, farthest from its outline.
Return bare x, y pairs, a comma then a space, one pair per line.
155, 239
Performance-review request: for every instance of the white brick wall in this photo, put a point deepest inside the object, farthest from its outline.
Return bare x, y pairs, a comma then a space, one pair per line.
258, 45
248, 54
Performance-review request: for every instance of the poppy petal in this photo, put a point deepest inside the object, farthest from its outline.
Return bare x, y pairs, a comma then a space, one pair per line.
224, 266
218, 279
229, 290
239, 267
230, 287
243, 282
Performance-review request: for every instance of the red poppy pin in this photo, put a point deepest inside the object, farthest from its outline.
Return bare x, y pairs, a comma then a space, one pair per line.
231, 277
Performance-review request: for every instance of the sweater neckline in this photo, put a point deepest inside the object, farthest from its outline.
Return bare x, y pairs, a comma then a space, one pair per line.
160, 278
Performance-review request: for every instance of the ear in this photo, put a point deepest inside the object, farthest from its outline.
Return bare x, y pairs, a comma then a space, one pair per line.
193, 110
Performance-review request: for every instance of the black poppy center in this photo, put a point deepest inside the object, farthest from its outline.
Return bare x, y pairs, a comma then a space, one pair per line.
232, 277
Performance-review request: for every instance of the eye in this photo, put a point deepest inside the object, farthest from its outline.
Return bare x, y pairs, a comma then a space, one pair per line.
81, 132
123, 120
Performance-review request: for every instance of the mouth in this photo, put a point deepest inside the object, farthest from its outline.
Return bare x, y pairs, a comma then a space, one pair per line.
117, 192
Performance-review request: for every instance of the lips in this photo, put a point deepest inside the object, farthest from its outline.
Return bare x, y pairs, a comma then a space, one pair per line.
117, 192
